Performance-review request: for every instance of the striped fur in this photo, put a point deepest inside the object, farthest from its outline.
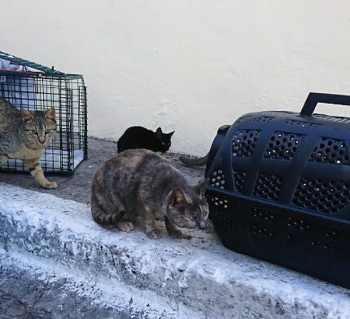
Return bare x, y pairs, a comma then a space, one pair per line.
136, 185
24, 135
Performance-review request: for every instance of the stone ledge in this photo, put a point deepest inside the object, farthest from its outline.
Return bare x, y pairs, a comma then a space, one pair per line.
74, 294
197, 276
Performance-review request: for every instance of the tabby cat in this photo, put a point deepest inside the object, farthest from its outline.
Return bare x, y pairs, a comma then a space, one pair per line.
24, 135
140, 137
194, 161
138, 185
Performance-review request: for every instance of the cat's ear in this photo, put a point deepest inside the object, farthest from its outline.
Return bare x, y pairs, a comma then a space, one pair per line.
26, 115
171, 134
50, 114
201, 187
178, 196
159, 132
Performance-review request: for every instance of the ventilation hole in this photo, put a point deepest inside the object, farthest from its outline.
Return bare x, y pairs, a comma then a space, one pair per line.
260, 230
244, 117
243, 142
262, 215
330, 151
333, 234
319, 237
217, 179
268, 187
336, 119
221, 215
300, 224
323, 245
262, 119
302, 124
282, 145
323, 196
239, 180
219, 202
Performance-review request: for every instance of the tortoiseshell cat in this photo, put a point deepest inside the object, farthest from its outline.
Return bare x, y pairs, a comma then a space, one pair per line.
24, 135
140, 137
137, 185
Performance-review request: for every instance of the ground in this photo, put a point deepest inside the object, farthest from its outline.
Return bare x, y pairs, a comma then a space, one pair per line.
64, 250
25, 297
77, 186
29, 298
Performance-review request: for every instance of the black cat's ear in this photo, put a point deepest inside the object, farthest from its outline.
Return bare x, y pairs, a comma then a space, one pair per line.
159, 132
178, 196
171, 133
26, 115
201, 187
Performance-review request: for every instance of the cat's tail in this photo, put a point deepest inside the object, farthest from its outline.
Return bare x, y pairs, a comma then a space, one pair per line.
103, 212
103, 218
194, 161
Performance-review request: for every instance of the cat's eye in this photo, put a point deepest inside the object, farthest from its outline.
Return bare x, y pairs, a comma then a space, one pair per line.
163, 143
47, 131
34, 132
193, 218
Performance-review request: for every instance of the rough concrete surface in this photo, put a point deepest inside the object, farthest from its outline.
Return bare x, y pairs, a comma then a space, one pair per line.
57, 263
77, 186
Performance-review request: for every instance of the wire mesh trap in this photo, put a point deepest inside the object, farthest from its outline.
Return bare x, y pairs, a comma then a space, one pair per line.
31, 86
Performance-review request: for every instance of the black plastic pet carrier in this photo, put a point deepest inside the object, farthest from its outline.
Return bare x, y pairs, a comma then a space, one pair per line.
32, 86
280, 188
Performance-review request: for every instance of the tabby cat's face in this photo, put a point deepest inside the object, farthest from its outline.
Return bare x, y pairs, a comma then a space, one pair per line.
40, 127
187, 210
190, 216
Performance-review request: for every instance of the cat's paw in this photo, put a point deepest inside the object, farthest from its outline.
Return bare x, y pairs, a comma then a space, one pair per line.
154, 234
50, 185
125, 226
176, 233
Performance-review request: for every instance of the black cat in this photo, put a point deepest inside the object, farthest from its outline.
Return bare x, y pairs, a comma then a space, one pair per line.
140, 137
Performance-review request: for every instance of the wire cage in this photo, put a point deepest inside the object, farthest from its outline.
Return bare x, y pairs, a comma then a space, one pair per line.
31, 86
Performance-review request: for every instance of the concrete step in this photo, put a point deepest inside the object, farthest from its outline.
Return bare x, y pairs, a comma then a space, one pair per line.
165, 278
34, 288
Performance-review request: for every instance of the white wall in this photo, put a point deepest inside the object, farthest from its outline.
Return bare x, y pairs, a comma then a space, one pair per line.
188, 65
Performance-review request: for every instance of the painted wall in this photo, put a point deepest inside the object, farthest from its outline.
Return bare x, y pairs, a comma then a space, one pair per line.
188, 65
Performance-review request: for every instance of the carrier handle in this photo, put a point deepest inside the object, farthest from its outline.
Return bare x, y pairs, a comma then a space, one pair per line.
314, 98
